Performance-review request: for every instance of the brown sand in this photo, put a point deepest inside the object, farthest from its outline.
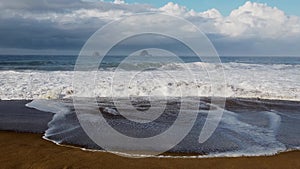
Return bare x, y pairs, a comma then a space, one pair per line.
23, 150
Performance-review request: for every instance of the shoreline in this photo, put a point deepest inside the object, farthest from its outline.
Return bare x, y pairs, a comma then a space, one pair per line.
16, 116
204, 98
27, 150
165, 155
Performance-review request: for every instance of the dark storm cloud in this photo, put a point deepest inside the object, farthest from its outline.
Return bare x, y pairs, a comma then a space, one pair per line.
17, 31
42, 24
41, 5
32, 34
66, 5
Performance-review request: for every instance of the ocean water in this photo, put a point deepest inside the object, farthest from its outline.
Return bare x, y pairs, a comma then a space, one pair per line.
51, 77
67, 62
261, 116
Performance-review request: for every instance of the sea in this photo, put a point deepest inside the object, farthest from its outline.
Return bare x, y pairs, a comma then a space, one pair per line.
260, 115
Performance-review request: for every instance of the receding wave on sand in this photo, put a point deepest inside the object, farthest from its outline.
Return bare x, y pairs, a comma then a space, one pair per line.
249, 127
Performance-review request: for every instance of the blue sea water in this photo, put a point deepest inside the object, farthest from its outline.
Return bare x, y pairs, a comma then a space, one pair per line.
67, 62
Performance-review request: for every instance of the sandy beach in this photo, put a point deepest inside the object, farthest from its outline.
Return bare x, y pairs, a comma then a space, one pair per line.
24, 150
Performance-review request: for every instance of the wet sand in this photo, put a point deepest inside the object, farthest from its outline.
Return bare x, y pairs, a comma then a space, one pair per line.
24, 150
15, 116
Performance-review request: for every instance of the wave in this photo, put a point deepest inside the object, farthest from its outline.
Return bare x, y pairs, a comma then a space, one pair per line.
278, 81
268, 128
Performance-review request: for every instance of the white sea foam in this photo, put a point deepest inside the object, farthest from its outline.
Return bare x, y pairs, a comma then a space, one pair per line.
279, 81
48, 106
252, 139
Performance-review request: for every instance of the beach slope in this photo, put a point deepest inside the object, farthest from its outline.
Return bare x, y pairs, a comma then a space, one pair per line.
24, 150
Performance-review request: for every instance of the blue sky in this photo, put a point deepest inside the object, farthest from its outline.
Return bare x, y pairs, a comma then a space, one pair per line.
291, 7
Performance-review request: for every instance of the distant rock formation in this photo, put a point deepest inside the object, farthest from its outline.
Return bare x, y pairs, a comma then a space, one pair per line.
145, 53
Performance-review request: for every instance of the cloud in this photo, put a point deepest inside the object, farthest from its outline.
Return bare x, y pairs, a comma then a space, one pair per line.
175, 9
255, 19
119, 2
251, 29
62, 25
251, 19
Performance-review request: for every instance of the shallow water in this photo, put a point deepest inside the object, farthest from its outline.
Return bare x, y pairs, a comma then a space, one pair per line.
249, 127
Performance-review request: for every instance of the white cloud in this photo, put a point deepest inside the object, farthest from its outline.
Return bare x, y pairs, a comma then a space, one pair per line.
251, 24
119, 2
212, 13
174, 9
249, 20
255, 19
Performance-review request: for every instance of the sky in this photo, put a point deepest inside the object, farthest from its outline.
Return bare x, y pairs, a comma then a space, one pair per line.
291, 7
236, 27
